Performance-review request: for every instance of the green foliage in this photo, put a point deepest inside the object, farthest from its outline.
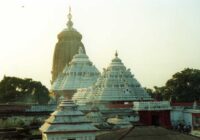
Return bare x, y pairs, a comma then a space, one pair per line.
184, 86
35, 122
8, 123
13, 90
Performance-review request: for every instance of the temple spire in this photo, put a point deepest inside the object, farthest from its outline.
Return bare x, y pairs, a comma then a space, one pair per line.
69, 15
116, 54
69, 23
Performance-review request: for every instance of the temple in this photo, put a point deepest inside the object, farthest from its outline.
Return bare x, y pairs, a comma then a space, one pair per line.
110, 100
79, 73
67, 122
69, 41
113, 93
118, 85
115, 87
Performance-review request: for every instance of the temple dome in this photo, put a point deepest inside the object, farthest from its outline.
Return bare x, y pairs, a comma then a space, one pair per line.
116, 63
69, 34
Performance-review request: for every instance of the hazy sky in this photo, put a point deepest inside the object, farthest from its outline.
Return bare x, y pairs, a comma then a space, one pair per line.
154, 38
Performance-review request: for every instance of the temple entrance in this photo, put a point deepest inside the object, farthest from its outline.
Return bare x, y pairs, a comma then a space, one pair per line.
155, 120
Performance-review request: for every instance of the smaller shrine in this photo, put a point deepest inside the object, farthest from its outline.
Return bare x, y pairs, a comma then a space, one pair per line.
67, 122
80, 73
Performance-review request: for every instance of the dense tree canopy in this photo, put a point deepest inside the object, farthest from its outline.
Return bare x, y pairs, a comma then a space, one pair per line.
17, 90
184, 86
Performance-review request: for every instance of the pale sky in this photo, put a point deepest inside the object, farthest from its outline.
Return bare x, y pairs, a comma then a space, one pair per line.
154, 38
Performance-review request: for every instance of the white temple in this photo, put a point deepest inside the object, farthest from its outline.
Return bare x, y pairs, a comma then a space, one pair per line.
67, 122
80, 73
113, 94
118, 84
115, 85
112, 100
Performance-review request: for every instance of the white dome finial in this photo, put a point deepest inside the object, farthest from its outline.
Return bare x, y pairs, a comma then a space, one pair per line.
69, 15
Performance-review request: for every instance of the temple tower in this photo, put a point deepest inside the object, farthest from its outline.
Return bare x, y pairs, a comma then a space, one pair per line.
79, 73
69, 41
68, 123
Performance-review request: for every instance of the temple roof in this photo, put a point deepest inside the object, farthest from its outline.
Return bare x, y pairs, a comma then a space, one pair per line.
117, 84
80, 73
67, 118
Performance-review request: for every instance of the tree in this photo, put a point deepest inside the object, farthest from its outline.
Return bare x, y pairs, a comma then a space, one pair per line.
184, 86
156, 93
13, 89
